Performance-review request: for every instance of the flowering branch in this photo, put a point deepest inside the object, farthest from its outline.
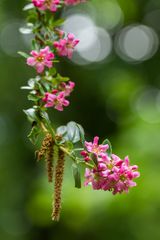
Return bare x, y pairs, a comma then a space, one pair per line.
49, 89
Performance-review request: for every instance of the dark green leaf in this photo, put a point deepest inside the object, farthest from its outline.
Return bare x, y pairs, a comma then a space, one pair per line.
39, 87
81, 133
57, 23
77, 176
35, 45
52, 71
33, 135
46, 86
33, 97
47, 122
62, 79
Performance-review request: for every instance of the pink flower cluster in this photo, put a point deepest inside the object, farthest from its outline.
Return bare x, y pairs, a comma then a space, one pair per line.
41, 59
52, 5
73, 2
110, 173
57, 99
94, 148
65, 46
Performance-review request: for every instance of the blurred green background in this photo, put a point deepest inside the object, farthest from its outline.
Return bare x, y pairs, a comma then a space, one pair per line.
117, 96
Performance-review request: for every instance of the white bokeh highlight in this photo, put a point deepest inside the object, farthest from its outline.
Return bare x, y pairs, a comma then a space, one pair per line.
146, 102
95, 42
136, 43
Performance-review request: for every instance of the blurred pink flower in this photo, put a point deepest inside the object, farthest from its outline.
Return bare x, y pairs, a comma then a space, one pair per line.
73, 2
66, 46
52, 5
67, 88
41, 59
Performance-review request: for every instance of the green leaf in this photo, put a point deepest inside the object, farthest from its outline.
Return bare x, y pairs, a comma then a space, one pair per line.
31, 114
33, 135
23, 54
62, 130
109, 151
35, 45
46, 86
47, 122
59, 78
52, 71
33, 97
28, 7
73, 132
81, 133
39, 87
45, 116
69, 145
57, 23
76, 175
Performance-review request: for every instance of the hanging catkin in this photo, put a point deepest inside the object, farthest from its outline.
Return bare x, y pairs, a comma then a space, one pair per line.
49, 159
47, 151
58, 185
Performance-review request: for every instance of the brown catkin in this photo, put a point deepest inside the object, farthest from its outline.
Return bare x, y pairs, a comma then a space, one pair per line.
47, 151
58, 185
46, 143
49, 161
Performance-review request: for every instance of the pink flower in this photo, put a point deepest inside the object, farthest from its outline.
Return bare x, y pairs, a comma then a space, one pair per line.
67, 88
95, 148
57, 101
38, 3
52, 5
41, 59
66, 46
115, 175
60, 33
73, 2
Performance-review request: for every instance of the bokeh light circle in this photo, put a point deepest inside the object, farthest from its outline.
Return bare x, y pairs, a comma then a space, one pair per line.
99, 49
146, 102
11, 40
136, 43
78, 23
109, 14
95, 42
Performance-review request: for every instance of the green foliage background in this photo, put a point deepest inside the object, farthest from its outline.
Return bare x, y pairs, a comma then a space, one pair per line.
101, 90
